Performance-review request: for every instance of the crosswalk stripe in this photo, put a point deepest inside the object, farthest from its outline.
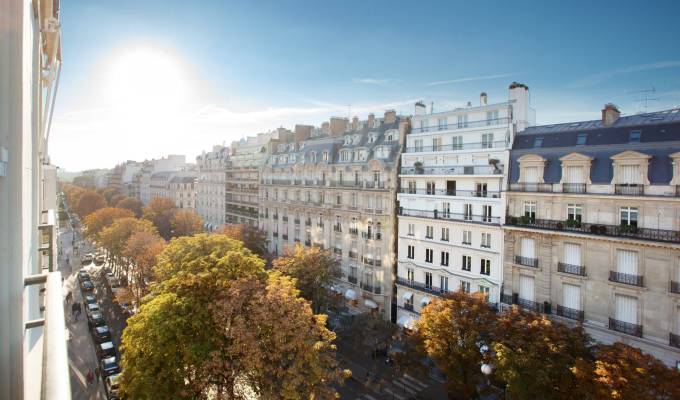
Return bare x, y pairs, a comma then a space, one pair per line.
394, 395
369, 397
415, 381
407, 386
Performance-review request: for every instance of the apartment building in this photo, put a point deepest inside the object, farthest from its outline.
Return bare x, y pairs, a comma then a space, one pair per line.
211, 186
182, 190
451, 200
159, 182
143, 179
336, 191
33, 354
593, 227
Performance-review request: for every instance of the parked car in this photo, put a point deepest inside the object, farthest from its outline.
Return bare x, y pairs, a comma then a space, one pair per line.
126, 308
96, 319
105, 350
101, 334
92, 308
83, 276
109, 366
89, 299
111, 386
100, 260
87, 259
86, 286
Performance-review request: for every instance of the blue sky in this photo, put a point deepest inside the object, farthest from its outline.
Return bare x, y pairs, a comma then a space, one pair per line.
248, 67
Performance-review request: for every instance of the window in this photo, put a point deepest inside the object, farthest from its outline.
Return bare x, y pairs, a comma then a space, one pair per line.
430, 188
467, 237
462, 121
528, 248
467, 212
492, 117
486, 240
411, 187
411, 252
441, 123
465, 286
410, 274
572, 254
485, 268
457, 143
429, 255
418, 145
574, 212
538, 142
530, 210
634, 136
411, 229
338, 199
571, 296
484, 290
424, 125
428, 280
629, 216
486, 213
481, 190
436, 144
626, 309
445, 235
467, 263
445, 258
446, 210
627, 262
444, 284
429, 232
487, 140
581, 139
526, 287
325, 156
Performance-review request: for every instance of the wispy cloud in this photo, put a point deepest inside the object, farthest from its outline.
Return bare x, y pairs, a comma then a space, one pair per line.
468, 79
373, 81
594, 79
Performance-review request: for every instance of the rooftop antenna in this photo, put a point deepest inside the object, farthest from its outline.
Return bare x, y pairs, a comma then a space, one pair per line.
432, 107
645, 97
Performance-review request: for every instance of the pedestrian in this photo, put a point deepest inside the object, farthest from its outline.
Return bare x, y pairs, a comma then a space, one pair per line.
97, 373
73, 309
69, 297
90, 377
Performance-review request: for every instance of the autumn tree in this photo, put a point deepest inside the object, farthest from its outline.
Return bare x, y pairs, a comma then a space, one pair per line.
115, 237
185, 223
132, 204
368, 333
102, 218
623, 372
314, 271
142, 248
108, 193
535, 356
451, 330
252, 237
160, 211
88, 202
115, 199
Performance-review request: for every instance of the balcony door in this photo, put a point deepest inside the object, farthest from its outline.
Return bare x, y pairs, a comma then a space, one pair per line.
526, 287
626, 309
451, 188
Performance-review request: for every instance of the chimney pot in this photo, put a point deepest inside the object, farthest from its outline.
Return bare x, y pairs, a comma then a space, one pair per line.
469, 104
610, 113
482, 99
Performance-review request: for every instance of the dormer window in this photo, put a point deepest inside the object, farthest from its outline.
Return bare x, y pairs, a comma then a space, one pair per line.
345, 156
630, 172
348, 140
312, 157
371, 138
634, 136
361, 155
538, 142
531, 170
581, 139
325, 156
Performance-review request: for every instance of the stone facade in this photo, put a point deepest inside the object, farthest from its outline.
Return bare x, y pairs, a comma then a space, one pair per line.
211, 186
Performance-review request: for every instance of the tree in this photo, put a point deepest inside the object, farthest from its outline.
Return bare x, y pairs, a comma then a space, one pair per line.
108, 193
624, 372
115, 199
535, 356
159, 211
142, 248
185, 223
314, 271
253, 238
88, 202
114, 238
237, 346
102, 218
369, 333
132, 204
451, 331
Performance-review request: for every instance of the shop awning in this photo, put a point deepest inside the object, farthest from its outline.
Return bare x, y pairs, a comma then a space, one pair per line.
424, 301
370, 303
408, 296
350, 294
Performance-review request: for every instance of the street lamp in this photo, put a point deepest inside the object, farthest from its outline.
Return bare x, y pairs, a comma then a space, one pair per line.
487, 369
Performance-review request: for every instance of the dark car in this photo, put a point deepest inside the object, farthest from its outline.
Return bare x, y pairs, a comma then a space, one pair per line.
89, 299
101, 334
95, 319
83, 276
86, 286
109, 366
105, 350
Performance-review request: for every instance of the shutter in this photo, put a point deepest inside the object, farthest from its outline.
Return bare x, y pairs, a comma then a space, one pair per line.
528, 248
526, 287
531, 174
571, 296
572, 254
627, 262
574, 175
630, 174
626, 309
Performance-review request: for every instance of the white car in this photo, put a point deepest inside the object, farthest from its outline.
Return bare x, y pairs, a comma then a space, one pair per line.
111, 386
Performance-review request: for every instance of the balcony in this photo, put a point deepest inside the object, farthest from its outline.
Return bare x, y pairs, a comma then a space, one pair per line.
530, 305
275, 234
628, 279
354, 231
308, 243
408, 306
532, 187
463, 125
284, 236
308, 222
574, 188
625, 327
526, 261
352, 279
674, 340
629, 231
296, 221
285, 218
454, 170
570, 313
629, 190
337, 250
449, 216
353, 254
571, 269
457, 146
370, 288
374, 185
452, 193
337, 228
421, 287
675, 287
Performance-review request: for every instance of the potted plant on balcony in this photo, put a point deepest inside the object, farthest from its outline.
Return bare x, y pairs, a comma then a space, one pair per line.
494, 162
627, 229
524, 220
419, 168
572, 223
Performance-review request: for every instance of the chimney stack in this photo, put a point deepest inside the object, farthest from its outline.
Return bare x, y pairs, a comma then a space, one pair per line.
338, 126
482, 99
610, 113
390, 116
469, 104
303, 132
355, 123
420, 108
325, 128
371, 120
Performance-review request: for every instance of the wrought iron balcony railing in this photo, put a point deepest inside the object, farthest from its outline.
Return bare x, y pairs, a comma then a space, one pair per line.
628, 279
571, 269
675, 287
436, 214
352, 279
457, 146
463, 125
674, 340
452, 193
454, 170
629, 190
421, 287
625, 327
529, 262
570, 313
